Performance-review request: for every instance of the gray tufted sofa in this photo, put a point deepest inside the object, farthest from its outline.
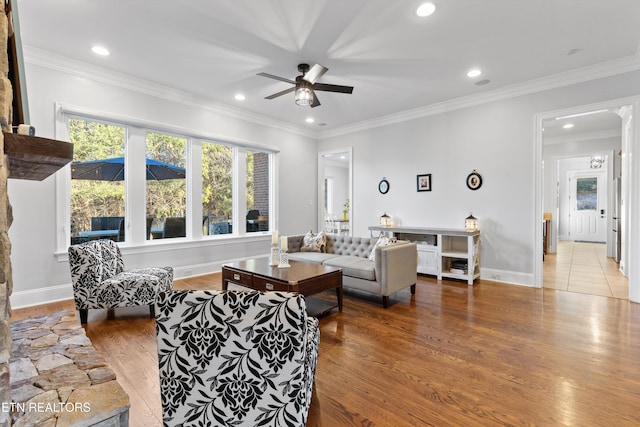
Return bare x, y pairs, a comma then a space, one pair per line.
395, 266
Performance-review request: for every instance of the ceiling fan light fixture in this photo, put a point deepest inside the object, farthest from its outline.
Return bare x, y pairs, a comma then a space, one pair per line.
304, 96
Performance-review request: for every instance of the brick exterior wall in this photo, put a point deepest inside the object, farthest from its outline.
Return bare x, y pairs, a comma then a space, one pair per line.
261, 185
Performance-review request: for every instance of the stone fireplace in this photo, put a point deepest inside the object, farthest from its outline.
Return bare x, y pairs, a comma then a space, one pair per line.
6, 287
54, 361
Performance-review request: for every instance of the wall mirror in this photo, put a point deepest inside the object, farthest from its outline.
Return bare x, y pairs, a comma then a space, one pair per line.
335, 192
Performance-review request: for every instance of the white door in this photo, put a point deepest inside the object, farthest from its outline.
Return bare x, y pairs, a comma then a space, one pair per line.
588, 202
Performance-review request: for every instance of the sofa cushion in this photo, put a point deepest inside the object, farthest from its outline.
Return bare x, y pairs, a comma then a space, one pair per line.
353, 266
315, 257
382, 241
347, 245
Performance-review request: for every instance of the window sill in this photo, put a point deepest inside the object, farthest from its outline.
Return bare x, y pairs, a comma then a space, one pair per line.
163, 245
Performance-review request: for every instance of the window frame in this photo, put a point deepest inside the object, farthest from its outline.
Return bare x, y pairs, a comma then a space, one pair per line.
135, 193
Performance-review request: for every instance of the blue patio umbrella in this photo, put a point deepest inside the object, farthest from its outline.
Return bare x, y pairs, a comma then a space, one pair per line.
113, 170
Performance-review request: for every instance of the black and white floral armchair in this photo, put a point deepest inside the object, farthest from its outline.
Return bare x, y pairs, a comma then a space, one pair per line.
100, 280
235, 358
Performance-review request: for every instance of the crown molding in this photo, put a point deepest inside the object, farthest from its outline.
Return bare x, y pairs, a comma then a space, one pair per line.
36, 56
567, 78
585, 136
52, 61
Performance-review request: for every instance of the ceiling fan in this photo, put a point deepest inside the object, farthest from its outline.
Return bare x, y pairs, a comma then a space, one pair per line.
305, 85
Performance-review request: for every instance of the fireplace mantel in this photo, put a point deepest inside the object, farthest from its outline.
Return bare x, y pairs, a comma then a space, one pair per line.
35, 158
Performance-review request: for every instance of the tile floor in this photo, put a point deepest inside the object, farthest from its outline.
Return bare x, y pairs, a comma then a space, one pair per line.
584, 268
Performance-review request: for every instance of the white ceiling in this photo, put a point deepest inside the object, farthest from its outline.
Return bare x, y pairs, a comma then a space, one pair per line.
395, 60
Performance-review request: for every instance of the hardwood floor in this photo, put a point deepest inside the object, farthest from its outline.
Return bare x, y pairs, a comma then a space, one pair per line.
491, 354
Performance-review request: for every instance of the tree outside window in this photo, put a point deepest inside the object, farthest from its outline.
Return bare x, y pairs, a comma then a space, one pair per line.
96, 204
166, 199
217, 196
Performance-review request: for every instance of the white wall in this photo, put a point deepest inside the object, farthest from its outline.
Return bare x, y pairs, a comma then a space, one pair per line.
39, 275
497, 140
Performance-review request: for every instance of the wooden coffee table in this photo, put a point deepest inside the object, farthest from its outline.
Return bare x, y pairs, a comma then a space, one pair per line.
302, 277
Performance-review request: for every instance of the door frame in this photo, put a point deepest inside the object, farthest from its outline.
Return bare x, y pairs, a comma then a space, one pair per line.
631, 173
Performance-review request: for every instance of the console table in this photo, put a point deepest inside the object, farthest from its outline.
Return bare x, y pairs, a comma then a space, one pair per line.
438, 248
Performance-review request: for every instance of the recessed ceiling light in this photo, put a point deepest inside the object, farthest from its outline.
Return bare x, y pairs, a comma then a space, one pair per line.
567, 126
425, 9
309, 120
474, 72
99, 50
239, 97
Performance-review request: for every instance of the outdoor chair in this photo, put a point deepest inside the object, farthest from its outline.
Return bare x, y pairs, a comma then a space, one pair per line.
174, 227
109, 223
237, 357
252, 220
100, 281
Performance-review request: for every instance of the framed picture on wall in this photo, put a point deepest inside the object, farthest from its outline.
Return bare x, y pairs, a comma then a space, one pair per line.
424, 182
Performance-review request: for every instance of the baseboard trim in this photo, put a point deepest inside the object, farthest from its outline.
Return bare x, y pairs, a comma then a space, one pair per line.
49, 294
31, 297
506, 276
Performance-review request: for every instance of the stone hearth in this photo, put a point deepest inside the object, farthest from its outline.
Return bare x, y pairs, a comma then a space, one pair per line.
58, 379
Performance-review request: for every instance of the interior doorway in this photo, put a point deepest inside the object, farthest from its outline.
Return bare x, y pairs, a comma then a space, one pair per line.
581, 200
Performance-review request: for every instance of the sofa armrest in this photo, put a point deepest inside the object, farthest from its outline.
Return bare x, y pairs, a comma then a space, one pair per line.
294, 243
396, 267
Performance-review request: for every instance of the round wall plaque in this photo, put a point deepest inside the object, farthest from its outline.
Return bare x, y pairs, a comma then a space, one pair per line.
383, 186
474, 180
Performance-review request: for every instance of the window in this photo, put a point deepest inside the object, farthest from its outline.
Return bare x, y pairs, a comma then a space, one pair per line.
257, 191
97, 189
187, 189
166, 162
587, 194
217, 177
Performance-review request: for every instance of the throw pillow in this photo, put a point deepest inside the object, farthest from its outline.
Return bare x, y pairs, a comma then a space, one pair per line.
382, 241
314, 243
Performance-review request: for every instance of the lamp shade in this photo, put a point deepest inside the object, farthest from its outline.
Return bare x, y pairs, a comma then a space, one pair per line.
385, 219
304, 96
471, 223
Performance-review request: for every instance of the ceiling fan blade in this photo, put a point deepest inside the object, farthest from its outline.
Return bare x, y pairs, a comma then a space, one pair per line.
284, 92
333, 88
315, 73
316, 102
271, 76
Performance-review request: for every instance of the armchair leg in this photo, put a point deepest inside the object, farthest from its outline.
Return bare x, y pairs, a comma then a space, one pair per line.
413, 289
152, 311
83, 315
385, 301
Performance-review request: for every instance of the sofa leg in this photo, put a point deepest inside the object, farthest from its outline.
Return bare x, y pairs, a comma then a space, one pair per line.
83, 315
152, 311
385, 301
413, 289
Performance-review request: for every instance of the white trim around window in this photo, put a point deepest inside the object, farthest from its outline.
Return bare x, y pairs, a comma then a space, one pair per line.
135, 194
